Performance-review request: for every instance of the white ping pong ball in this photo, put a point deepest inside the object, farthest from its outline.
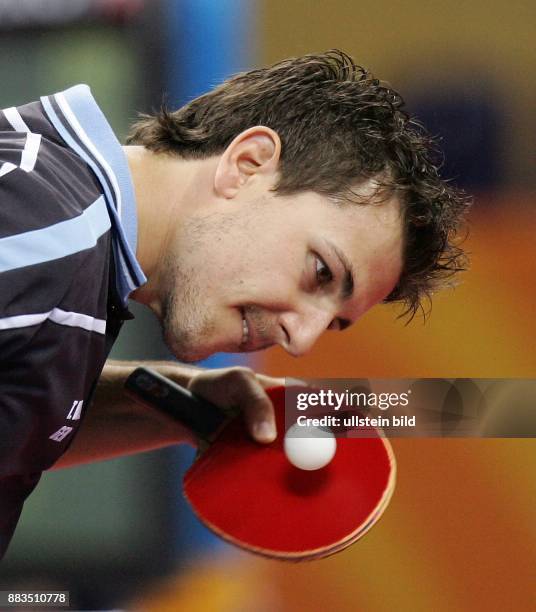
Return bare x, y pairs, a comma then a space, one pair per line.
309, 447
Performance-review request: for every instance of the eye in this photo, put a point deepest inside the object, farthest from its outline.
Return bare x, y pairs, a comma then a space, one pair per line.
322, 272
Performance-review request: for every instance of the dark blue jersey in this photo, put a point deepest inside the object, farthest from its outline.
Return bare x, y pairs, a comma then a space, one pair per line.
67, 265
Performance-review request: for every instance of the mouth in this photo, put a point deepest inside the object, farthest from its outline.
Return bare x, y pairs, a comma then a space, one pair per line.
245, 330
252, 338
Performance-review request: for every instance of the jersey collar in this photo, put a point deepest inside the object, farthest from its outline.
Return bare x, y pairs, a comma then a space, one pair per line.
82, 125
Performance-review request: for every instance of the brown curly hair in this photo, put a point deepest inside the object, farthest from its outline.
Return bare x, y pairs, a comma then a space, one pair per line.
339, 126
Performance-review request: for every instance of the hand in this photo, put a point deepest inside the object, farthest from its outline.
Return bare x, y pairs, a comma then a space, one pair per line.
241, 388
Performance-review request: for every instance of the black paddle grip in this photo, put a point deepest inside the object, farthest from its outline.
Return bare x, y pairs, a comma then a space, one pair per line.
200, 416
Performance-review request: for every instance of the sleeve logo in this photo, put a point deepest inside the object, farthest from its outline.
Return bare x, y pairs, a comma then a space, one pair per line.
75, 411
74, 414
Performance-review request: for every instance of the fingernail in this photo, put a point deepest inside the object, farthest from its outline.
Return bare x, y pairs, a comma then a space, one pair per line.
264, 431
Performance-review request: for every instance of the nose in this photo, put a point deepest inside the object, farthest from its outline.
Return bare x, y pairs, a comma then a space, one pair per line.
302, 329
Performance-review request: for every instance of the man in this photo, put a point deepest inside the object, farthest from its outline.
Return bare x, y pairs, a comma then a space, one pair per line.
284, 203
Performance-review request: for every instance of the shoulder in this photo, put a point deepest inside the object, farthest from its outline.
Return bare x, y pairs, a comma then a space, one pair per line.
36, 167
52, 205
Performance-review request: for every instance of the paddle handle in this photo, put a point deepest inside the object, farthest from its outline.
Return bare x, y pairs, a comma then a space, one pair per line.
198, 415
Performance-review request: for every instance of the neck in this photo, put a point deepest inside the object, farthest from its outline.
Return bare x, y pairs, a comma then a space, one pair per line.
165, 186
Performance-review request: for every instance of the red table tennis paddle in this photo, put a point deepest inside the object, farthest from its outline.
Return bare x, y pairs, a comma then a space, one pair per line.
250, 495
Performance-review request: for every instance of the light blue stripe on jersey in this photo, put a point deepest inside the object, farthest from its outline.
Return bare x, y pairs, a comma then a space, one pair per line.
55, 241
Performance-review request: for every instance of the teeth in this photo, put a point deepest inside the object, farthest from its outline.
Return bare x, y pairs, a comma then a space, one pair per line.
245, 330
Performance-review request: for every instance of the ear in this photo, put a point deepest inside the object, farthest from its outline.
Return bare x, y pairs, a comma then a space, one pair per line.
255, 151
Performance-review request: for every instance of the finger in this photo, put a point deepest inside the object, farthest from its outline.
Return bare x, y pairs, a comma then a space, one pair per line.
258, 411
296, 382
270, 381
239, 388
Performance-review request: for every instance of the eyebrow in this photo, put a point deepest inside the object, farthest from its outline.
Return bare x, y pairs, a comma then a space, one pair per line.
348, 281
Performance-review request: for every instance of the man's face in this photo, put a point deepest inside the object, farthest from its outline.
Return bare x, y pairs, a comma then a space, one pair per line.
276, 270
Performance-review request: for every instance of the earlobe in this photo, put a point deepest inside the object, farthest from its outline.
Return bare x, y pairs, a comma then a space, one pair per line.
254, 152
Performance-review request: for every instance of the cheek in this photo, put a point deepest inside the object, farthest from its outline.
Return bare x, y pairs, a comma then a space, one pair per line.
275, 290
247, 266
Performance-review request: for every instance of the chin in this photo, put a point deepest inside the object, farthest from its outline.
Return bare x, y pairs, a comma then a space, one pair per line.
187, 354
188, 357
193, 339
189, 351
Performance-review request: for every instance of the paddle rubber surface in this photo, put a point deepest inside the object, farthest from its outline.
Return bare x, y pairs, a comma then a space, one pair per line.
251, 495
